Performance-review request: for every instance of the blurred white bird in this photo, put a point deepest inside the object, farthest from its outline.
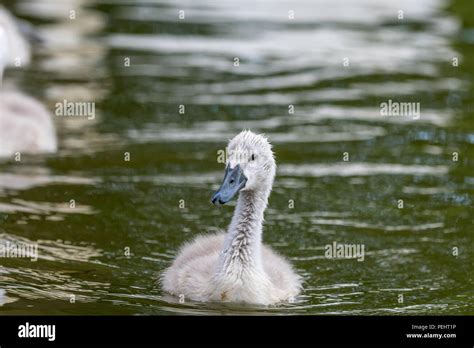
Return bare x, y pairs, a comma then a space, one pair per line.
26, 125
15, 49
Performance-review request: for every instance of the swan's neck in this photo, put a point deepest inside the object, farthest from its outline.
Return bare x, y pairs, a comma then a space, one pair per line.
242, 247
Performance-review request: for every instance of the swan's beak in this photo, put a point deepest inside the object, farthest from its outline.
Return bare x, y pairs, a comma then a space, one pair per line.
234, 181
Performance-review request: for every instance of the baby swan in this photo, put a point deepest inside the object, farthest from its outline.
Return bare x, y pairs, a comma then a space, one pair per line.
236, 266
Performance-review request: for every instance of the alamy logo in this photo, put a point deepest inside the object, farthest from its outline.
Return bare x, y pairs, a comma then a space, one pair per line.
345, 251
76, 109
20, 250
241, 156
393, 108
37, 331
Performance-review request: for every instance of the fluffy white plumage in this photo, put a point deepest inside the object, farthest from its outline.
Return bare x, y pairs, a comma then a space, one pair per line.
236, 266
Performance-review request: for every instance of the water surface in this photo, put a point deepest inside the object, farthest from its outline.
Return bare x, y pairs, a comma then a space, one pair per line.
134, 205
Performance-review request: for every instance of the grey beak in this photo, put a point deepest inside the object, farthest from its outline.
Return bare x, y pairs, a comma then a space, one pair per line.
234, 181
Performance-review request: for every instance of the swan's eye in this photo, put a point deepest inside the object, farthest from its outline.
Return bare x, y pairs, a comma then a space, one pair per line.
252, 158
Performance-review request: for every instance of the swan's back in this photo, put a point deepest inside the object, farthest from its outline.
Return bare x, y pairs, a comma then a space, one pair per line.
25, 125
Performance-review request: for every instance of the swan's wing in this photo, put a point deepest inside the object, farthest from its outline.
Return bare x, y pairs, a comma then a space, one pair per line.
193, 268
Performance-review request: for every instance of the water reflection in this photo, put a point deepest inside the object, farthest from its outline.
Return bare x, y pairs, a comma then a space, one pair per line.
28, 282
38, 178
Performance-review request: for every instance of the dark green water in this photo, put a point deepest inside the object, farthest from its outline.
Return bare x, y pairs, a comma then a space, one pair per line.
135, 204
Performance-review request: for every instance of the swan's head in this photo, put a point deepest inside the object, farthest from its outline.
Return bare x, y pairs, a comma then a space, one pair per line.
250, 166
